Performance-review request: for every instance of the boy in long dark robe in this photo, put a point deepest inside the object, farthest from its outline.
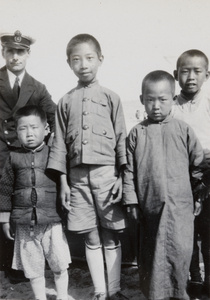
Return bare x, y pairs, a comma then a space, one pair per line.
164, 159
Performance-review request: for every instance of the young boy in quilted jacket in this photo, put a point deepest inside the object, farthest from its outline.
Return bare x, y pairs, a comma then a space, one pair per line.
29, 203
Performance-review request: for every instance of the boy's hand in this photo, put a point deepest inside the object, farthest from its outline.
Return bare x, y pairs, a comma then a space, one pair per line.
133, 212
7, 232
198, 208
65, 192
201, 192
116, 191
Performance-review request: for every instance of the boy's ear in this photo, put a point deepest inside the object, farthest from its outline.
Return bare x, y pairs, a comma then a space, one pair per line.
47, 129
101, 58
141, 99
176, 75
69, 62
207, 75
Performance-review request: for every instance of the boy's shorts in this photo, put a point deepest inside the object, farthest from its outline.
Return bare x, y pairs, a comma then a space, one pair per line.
48, 242
91, 190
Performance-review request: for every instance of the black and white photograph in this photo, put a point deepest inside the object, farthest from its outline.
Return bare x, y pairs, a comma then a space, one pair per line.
105, 150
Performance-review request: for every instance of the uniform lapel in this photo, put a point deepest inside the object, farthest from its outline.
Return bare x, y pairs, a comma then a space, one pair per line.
5, 89
26, 90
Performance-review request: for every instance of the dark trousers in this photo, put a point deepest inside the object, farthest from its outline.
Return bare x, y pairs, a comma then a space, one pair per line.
202, 230
6, 252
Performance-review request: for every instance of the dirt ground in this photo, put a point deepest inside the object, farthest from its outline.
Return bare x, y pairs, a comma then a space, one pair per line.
80, 285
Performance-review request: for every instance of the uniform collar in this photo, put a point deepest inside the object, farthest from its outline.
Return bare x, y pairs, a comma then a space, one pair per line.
12, 77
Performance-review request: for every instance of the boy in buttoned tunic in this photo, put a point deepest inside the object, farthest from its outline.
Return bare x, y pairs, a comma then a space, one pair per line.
192, 105
29, 200
89, 153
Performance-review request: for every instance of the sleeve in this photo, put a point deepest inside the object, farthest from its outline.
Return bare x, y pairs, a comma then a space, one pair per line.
130, 178
7, 187
199, 168
58, 151
48, 106
120, 132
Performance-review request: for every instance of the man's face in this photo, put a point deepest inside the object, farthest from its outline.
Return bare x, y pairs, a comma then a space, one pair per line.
15, 59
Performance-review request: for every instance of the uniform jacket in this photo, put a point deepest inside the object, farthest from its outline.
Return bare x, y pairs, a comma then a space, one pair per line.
32, 92
89, 129
162, 158
24, 172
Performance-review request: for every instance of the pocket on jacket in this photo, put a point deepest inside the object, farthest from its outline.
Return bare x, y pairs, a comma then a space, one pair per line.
99, 107
103, 131
104, 140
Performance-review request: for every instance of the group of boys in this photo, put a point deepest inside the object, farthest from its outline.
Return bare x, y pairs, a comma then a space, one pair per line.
162, 176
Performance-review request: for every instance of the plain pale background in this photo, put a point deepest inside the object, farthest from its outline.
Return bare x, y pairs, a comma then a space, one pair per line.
136, 36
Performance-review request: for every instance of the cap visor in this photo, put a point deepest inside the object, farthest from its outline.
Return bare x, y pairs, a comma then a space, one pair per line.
15, 45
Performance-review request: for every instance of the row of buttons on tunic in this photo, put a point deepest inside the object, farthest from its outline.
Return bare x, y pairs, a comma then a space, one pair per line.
85, 127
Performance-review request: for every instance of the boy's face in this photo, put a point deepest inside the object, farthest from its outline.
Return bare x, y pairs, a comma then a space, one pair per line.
84, 62
31, 131
157, 98
191, 73
15, 59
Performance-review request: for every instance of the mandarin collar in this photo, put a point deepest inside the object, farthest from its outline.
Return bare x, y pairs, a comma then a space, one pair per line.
39, 148
87, 85
192, 98
166, 120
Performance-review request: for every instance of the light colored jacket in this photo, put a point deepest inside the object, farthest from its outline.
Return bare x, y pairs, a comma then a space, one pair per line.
89, 129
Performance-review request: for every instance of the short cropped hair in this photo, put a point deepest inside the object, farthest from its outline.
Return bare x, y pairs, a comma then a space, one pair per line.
192, 53
156, 76
30, 110
83, 38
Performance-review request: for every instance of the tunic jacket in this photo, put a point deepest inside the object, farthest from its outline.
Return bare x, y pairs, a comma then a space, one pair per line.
89, 129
